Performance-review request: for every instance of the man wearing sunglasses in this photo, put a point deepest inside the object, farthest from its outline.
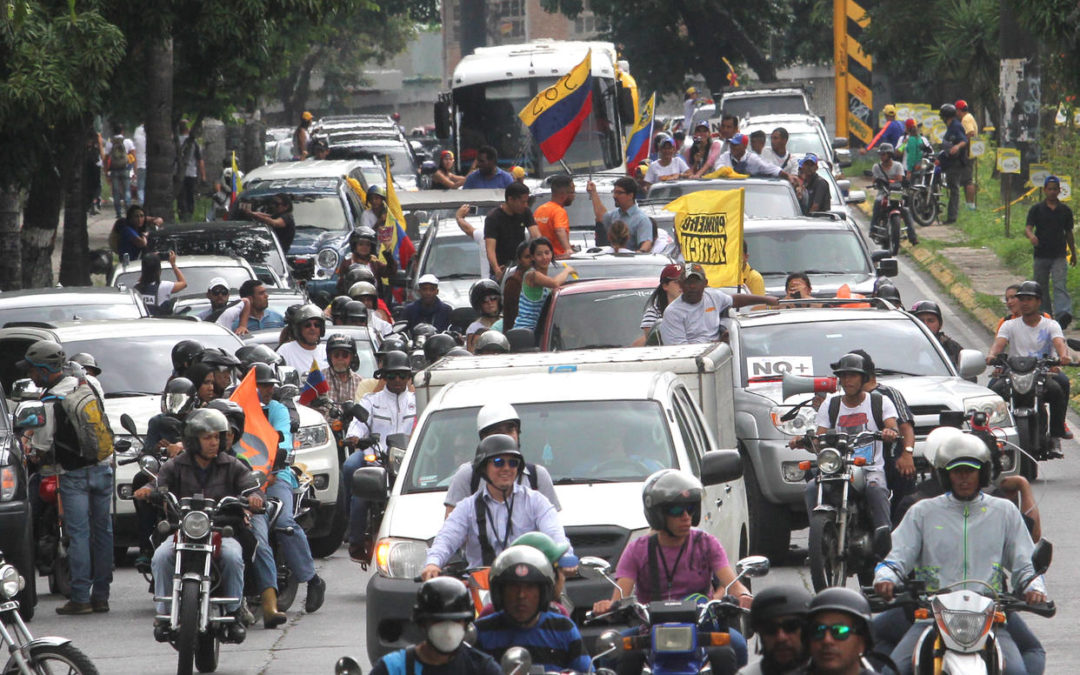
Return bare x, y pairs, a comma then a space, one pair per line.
307, 327
217, 292
778, 614
501, 510
390, 410
838, 630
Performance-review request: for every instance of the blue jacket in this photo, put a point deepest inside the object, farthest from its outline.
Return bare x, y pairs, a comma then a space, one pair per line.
554, 642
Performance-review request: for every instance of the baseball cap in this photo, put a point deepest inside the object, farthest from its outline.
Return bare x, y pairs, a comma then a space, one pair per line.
702, 124
889, 109
428, 279
1052, 179
664, 139
963, 461
910, 123
671, 271
691, 90
694, 270
306, 116
961, 104
517, 172
217, 281
810, 158
739, 139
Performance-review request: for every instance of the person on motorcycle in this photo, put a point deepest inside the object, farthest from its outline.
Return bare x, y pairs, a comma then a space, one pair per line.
390, 410
556, 555
378, 316
308, 326
676, 561
929, 313
962, 534
363, 250
222, 364
485, 296
889, 174
183, 355
778, 614
498, 417
522, 588
501, 509
1033, 334
343, 380
202, 468
443, 610
838, 633
851, 412
491, 342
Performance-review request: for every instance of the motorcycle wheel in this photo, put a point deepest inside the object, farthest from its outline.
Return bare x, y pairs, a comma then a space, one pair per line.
64, 658
1029, 467
286, 579
924, 208
188, 634
60, 577
206, 652
826, 566
894, 234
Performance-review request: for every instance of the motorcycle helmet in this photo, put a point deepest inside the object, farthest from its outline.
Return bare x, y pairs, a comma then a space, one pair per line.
442, 599
203, 421
178, 399
458, 351
337, 308
494, 413
356, 273
290, 313
375, 191
888, 291
306, 313
88, 362
962, 450
886, 148
266, 374
337, 341
45, 354
249, 355
847, 601
935, 438
436, 346
394, 362
670, 487
947, 111
927, 307
356, 313
852, 363
363, 233
1031, 288
233, 412
492, 446
777, 601
522, 564
183, 353
480, 291
218, 358
423, 330
492, 342
362, 289
393, 343
541, 542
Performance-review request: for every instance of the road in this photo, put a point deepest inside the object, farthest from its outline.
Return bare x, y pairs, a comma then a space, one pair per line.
122, 641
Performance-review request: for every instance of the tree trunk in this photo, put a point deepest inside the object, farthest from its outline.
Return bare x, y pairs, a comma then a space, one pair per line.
75, 257
160, 147
704, 23
40, 221
301, 89
10, 246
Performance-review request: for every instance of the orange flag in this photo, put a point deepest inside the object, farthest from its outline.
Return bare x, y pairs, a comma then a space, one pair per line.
259, 446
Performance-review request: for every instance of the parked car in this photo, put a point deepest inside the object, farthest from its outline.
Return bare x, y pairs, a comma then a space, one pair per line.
254, 242
65, 304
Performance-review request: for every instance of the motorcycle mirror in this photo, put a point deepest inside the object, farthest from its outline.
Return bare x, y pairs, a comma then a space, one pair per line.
358, 412
609, 642
887, 268
370, 484
347, 665
471, 635
397, 441
128, 424
259, 477
149, 464
29, 415
752, 566
1041, 556
164, 528
516, 661
592, 567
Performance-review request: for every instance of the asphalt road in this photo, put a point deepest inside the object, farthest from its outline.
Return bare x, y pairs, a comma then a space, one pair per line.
122, 641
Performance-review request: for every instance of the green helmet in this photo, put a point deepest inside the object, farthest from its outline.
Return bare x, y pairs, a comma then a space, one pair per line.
545, 544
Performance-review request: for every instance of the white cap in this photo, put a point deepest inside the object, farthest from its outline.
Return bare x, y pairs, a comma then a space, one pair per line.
217, 281
428, 279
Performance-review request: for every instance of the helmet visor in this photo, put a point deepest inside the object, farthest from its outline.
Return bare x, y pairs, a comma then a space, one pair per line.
174, 403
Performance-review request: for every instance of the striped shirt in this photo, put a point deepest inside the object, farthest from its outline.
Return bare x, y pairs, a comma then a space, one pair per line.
554, 642
342, 391
530, 302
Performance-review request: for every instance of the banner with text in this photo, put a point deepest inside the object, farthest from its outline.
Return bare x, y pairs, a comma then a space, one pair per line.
708, 226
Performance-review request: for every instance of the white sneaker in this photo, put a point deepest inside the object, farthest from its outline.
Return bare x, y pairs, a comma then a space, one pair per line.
971, 206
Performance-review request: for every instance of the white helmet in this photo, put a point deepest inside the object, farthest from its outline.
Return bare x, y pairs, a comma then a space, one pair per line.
495, 413
934, 440
964, 450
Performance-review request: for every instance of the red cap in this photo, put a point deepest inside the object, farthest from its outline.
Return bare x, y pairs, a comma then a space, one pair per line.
672, 271
909, 123
961, 104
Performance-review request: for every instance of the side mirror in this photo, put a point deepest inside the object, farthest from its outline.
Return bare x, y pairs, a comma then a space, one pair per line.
128, 424
1042, 555
397, 440
25, 390
844, 185
516, 661
370, 484
752, 566
357, 411
843, 157
609, 642
972, 363
879, 255
347, 665
399, 279
855, 197
29, 415
839, 142
151, 464
889, 267
592, 567
259, 477
721, 466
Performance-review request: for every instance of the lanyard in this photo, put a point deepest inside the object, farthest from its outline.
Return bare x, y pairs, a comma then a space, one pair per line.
670, 574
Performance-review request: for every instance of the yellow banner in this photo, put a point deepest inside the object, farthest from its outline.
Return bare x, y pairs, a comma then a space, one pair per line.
708, 226
1037, 174
566, 85
1008, 160
1066, 188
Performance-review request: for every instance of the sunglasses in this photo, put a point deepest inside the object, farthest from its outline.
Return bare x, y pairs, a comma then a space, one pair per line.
221, 291
512, 462
310, 324
397, 376
680, 509
790, 626
838, 631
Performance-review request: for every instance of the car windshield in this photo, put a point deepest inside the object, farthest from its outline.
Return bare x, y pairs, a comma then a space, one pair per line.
254, 244
623, 269
401, 161
198, 278
120, 310
153, 355
630, 442
318, 210
898, 347
580, 211
600, 319
780, 252
453, 257
762, 200
749, 106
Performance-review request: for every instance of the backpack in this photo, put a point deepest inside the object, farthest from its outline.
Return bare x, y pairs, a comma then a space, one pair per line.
118, 156
875, 409
86, 413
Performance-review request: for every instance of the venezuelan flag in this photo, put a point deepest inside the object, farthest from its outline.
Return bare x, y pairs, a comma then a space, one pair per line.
637, 148
398, 242
314, 385
557, 113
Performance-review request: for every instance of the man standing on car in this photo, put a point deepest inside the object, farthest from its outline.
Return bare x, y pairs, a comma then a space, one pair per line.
624, 193
252, 312
813, 190
85, 486
694, 317
505, 227
487, 174
551, 217
777, 152
1050, 231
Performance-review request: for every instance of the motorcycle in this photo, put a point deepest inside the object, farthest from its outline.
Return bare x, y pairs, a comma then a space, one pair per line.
924, 192
389, 459
518, 660
303, 499
889, 229
1026, 377
52, 540
682, 637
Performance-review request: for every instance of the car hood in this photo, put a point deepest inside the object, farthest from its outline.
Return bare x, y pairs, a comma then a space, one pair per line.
824, 285
140, 408
311, 239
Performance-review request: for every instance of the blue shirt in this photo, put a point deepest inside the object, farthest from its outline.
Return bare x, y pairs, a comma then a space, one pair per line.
437, 315
126, 241
636, 221
554, 642
467, 661
893, 132
953, 135
477, 180
270, 319
278, 416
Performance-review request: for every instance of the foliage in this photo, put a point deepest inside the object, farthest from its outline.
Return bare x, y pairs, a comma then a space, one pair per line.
808, 36
1057, 25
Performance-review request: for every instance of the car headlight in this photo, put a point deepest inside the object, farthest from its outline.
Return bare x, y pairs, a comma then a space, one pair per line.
996, 409
327, 259
400, 558
674, 638
9, 483
829, 461
195, 525
10, 582
312, 436
135, 446
804, 420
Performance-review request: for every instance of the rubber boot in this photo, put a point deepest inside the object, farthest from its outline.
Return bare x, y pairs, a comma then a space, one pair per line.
272, 618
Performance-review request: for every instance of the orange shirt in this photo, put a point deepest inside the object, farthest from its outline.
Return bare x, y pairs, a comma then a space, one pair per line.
550, 217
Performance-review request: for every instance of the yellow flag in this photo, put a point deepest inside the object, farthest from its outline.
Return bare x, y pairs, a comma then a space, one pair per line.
708, 227
357, 188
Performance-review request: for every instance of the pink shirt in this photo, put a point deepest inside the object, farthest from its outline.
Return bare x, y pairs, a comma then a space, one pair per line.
693, 573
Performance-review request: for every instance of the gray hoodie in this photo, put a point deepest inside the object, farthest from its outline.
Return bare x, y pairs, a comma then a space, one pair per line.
945, 540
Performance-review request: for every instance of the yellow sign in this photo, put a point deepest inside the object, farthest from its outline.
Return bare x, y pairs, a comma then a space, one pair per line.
708, 226
1037, 174
853, 68
978, 148
1008, 160
1066, 188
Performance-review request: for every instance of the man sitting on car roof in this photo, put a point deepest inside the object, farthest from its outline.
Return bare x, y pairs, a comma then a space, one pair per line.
741, 160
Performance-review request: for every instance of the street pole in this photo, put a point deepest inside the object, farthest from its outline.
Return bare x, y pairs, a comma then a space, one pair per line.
840, 66
1006, 179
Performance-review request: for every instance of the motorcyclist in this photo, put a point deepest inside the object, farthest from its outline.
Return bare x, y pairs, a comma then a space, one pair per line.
498, 417
308, 326
364, 293
222, 363
183, 355
500, 510
442, 610
929, 313
391, 410
838, 633
962, 534
343, 380
888, 174
491, 342
778, 614
522, 588
336, 309
363, 250
438, 346
84, 366
485, 296
203, 469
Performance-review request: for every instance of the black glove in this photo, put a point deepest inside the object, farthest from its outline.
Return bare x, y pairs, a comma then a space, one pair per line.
366, 442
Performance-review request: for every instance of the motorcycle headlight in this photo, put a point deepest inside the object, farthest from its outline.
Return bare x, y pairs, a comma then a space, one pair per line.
829, 461
327, 259
1023, 382
997, 410
9, 483
400, 558
962, 626
805, 420
674, 638
312, 436
10, 582
195, 525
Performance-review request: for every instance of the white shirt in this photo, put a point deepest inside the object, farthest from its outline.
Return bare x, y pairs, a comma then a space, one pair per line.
140, 147
687, 324
485, 266
1025, 340
192, 168
856, 420
300, 358
751, 164
786, 163
164, 292
368, 219
381, 327
675, 167
388, 413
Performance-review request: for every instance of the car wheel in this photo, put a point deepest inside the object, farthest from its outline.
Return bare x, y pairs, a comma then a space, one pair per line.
322, 547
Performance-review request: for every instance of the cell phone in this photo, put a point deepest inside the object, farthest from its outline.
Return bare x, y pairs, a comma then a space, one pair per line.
797, 295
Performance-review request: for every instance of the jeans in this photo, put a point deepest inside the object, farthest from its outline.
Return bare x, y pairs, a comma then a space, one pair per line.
231, 566
877, 499
265, 569
295, 545
1056, 270
952, 183
186, 203
1015, 664
1054, 396
357, 507
121, 186
140, 184
86, 496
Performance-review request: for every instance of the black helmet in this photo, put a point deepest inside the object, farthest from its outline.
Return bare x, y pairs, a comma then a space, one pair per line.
847, 601
178, 399
522, 564
393, 343
482, 289
776, 601
1031, 288
307, 313
233, 412
670, 487
394, 362
266, 374
203, 421
356, 311
458, 351
363, 233
423, 330
437, 346
339, 341
852, 363
888, 291
362, 289
375, 190
492, 446
443, 599
183, 353
218, 358
492, 342
337, 308
358, 272
290, 314
249, 355
927, 307
946, 111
